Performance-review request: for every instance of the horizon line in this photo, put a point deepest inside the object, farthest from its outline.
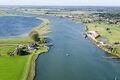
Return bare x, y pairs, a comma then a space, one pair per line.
63, 5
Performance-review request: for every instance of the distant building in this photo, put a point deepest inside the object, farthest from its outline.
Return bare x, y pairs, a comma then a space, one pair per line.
93, 34
31, 47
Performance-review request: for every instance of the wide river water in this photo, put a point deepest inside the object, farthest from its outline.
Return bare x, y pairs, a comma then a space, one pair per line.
73, 57
12, 26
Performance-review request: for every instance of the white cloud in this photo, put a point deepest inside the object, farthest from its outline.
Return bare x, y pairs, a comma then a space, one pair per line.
61, 2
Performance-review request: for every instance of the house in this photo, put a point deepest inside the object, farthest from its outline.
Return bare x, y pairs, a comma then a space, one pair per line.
118, 23
93, 34
31, 47
103, 44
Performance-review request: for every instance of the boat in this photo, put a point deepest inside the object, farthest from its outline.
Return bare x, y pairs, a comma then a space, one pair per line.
67, 54
50, 44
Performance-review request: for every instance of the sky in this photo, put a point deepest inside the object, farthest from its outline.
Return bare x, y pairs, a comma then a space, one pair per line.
62, 2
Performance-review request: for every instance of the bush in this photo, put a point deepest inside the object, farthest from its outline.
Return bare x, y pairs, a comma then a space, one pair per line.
34, 35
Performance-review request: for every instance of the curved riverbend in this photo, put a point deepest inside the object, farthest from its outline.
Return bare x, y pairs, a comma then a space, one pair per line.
85, 60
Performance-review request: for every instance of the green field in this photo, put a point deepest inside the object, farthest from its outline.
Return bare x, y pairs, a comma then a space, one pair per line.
112, 37
14, 67
9, 45
20, 40
101, 28
20, 67
11, 68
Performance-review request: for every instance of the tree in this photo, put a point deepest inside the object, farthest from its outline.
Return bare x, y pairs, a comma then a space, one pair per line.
107, 29
34, 35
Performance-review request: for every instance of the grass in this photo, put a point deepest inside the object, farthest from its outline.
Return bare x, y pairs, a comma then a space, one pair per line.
4, 50
3, 13
36, 12
11, 68
101, 28
31, 69
43, 28
20, 67
9, 45
21, 40
15, 67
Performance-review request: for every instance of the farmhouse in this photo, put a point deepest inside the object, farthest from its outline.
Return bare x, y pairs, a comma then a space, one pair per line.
93, 34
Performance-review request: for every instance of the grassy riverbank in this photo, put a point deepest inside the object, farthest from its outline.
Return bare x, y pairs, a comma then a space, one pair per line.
109, 31
101, 28
20, 67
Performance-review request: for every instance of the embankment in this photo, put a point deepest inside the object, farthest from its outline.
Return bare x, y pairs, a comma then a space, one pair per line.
30, 70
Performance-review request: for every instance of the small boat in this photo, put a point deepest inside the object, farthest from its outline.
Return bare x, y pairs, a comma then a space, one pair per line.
67, 54
51, 44
85, 35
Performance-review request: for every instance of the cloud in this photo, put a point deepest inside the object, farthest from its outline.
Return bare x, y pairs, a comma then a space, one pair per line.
61, 2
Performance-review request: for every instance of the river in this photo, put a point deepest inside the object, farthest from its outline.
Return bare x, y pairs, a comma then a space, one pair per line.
84, 62
17, 26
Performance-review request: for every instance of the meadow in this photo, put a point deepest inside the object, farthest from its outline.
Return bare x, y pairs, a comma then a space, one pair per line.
20, 67
112, 34
101, 28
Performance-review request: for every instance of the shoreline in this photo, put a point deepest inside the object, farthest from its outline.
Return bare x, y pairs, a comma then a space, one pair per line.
31, 66
28, 70
117, 56
31, 71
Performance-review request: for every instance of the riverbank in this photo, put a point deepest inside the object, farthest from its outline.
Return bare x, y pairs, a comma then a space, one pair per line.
30, 72
107, 35
108, 38
25, 67
42, 29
